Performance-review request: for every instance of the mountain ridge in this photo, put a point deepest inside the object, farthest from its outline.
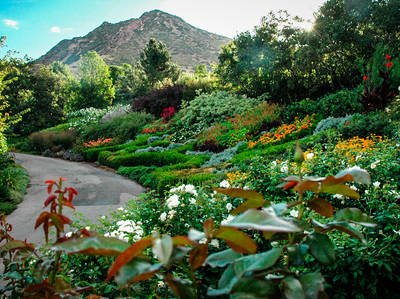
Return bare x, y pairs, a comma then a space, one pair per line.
122, 42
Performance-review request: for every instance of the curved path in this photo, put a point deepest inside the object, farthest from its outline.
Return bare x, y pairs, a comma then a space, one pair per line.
100, 192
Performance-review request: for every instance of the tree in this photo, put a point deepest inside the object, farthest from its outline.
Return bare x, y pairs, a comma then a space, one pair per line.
129, 81
156, 63
96, 88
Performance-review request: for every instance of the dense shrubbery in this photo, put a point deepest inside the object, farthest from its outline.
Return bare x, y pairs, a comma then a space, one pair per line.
13, 183
52, 140
338, 104
159, 99
124, 127
240, 127
206, 110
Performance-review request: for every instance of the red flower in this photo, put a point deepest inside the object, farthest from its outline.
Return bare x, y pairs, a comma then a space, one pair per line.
389, 64
388, 57
365, 78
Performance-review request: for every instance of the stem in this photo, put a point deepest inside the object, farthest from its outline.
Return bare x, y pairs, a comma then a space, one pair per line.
52, 277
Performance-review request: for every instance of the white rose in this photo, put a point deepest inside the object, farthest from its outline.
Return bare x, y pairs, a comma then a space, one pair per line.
163, 216
224, 184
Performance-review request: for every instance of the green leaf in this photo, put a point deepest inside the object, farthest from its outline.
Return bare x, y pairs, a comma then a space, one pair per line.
16, 244
297, 254
321, 206
228, 279
256, 262
354, 215
94, 246
313, 284
359, 175
162, 249
254, 199
222, 258
342, 226
254, 288
292, 288
263, 221
236, 239
280, 208
321, 248
137, 269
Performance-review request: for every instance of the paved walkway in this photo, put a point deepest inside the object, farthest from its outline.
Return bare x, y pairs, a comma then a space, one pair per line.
100, 192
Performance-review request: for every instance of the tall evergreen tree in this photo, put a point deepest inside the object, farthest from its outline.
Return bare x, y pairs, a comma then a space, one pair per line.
156, 63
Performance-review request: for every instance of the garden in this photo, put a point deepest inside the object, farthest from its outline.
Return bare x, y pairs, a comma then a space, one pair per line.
275, 182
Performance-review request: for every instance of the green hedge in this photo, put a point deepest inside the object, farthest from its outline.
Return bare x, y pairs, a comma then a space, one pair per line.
144, 159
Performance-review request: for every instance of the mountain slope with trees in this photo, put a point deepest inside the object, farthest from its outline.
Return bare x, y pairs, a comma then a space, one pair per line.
124, 41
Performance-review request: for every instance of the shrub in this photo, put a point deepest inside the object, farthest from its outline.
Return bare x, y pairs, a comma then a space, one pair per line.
50, 139
159, 99
194, 85
338, 104
145, 159
124, 127
364, 125
206, 110
332, 122
240, 127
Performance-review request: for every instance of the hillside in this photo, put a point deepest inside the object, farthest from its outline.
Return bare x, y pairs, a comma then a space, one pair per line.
124, 41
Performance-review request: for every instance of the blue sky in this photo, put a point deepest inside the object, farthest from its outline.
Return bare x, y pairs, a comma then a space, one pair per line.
33, 27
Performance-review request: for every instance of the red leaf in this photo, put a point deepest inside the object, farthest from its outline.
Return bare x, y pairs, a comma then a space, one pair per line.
290, 185
128, 255
42, 218
236, 239
209, 228
198, 256
49, 200
68, 204
182, 241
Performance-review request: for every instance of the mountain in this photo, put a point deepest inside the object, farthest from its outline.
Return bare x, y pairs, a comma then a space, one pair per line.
124, 41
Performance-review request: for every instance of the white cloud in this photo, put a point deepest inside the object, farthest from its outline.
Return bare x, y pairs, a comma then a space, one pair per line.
55, 29
11, 23
215, 15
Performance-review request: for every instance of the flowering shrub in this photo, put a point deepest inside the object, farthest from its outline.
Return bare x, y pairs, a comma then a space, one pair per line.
95, 143
82, 118
284, 132
241, 127
158, 126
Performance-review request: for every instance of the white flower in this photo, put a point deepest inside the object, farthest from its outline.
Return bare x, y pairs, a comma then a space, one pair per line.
373, 165
160, 284
366, 192
214, 243
229, 206
227, 220
274, 243
87, 227
310, 156
203, 241
120, 209
103, 217
191, 189
284, 168
163, 216
338, 196
173, 202
192, 201
294, 213
224, 184
171, 214
354, 188
274, 163
68, 234
376, 184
